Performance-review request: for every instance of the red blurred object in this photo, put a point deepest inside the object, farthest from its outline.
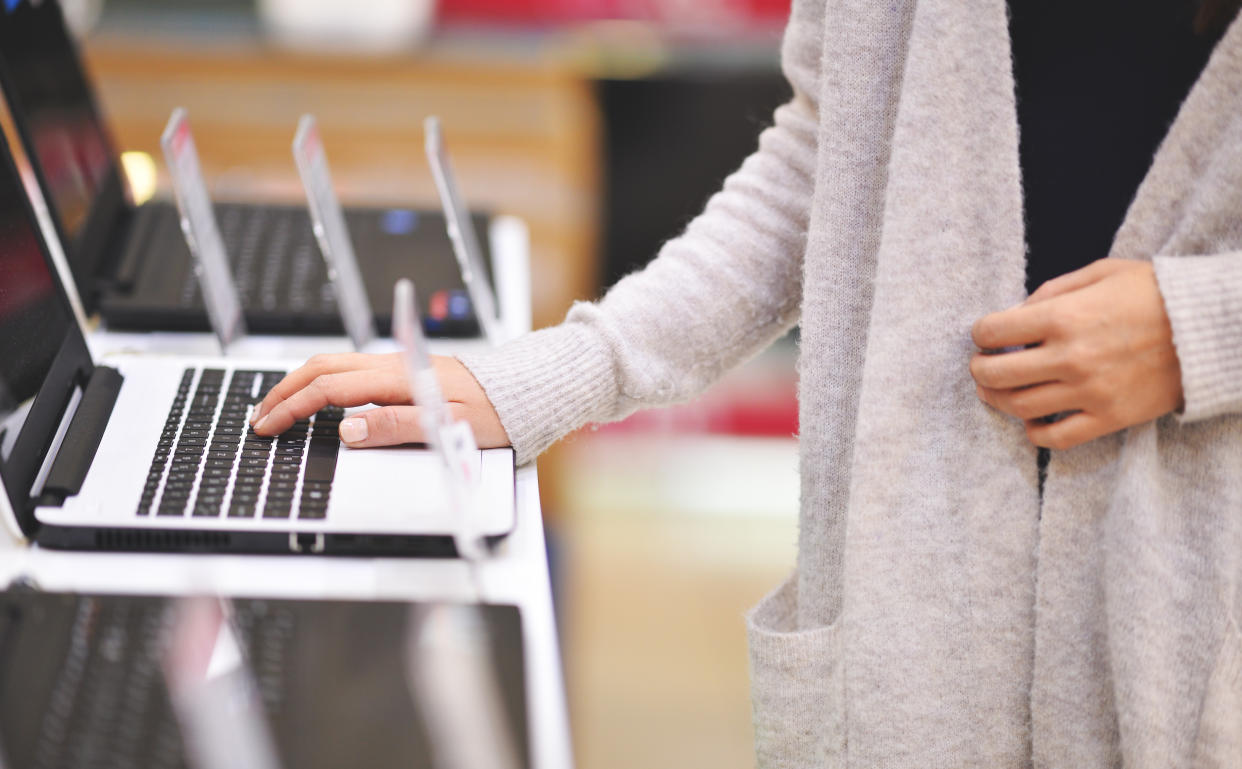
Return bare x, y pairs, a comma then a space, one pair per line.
724, 12
751, 406
438, 305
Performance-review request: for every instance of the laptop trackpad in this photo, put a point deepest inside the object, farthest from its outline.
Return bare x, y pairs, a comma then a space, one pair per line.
394, 488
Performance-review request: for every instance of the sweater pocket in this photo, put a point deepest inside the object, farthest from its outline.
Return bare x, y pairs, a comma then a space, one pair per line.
1219, 744
796, 686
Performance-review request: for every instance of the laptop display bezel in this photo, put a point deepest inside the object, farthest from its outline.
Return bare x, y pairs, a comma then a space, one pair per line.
71, 368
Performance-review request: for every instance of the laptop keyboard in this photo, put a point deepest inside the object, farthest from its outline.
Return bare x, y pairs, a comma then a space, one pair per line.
274, 259
209, 463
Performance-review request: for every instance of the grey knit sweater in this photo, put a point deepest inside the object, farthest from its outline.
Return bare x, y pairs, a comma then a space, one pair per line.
941, 614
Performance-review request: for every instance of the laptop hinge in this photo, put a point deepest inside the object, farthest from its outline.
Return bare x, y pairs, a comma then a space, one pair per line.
86, 430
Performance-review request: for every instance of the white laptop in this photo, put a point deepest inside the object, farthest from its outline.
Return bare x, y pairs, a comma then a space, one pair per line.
155, 453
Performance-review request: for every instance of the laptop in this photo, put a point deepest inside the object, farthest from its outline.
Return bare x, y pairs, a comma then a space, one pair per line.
131, 264
155, 453
83, 681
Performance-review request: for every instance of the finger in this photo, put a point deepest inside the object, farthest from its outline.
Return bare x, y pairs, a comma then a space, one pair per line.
385, 426
1020, 368
349, 388
1016, 327
317, 366
1072, 281
1033, 402
1068, 432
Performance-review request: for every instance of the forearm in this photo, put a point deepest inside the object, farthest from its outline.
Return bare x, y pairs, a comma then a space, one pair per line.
713, 297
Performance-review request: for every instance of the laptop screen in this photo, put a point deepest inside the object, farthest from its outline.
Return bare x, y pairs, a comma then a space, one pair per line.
54, 109
31, 314
42, 352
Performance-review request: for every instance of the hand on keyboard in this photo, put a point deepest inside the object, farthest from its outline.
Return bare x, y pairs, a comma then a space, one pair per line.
357, 379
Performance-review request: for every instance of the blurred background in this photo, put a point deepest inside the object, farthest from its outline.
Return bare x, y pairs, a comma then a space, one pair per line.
605, 124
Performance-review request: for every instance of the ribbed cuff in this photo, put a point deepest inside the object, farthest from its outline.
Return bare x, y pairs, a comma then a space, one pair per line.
1203, 297
546, 384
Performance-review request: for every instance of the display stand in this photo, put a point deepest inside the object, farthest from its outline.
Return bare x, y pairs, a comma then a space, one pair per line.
461, 234
332, 234
202, 235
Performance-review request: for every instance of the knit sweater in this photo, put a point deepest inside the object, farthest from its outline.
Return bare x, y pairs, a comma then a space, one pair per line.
942, 613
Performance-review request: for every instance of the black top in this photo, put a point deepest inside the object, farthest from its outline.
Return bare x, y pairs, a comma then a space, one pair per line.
1098, 84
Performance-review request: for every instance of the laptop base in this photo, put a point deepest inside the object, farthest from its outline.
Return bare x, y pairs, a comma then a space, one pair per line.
149, 540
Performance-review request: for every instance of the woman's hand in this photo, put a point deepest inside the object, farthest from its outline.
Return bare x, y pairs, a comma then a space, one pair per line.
356, 379
1098, 349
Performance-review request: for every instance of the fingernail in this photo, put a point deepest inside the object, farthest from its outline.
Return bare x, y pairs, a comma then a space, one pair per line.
354, 430
259, 425
256, 415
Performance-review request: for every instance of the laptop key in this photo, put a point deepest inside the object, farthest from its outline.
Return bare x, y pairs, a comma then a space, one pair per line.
321, 460
313, 495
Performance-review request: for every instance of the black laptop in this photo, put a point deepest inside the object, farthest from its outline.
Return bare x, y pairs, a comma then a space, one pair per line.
82, 681
131, 264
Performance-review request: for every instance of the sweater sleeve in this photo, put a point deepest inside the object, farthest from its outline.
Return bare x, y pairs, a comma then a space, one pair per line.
713, 297
1203, 297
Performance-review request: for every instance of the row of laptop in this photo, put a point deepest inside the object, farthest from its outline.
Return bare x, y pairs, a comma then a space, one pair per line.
130, 262
136, 452
153, 682
147, 452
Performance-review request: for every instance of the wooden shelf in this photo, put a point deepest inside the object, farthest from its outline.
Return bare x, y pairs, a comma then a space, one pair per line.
524, 130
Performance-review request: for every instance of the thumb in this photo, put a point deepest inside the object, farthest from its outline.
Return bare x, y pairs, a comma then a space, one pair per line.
384, 426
